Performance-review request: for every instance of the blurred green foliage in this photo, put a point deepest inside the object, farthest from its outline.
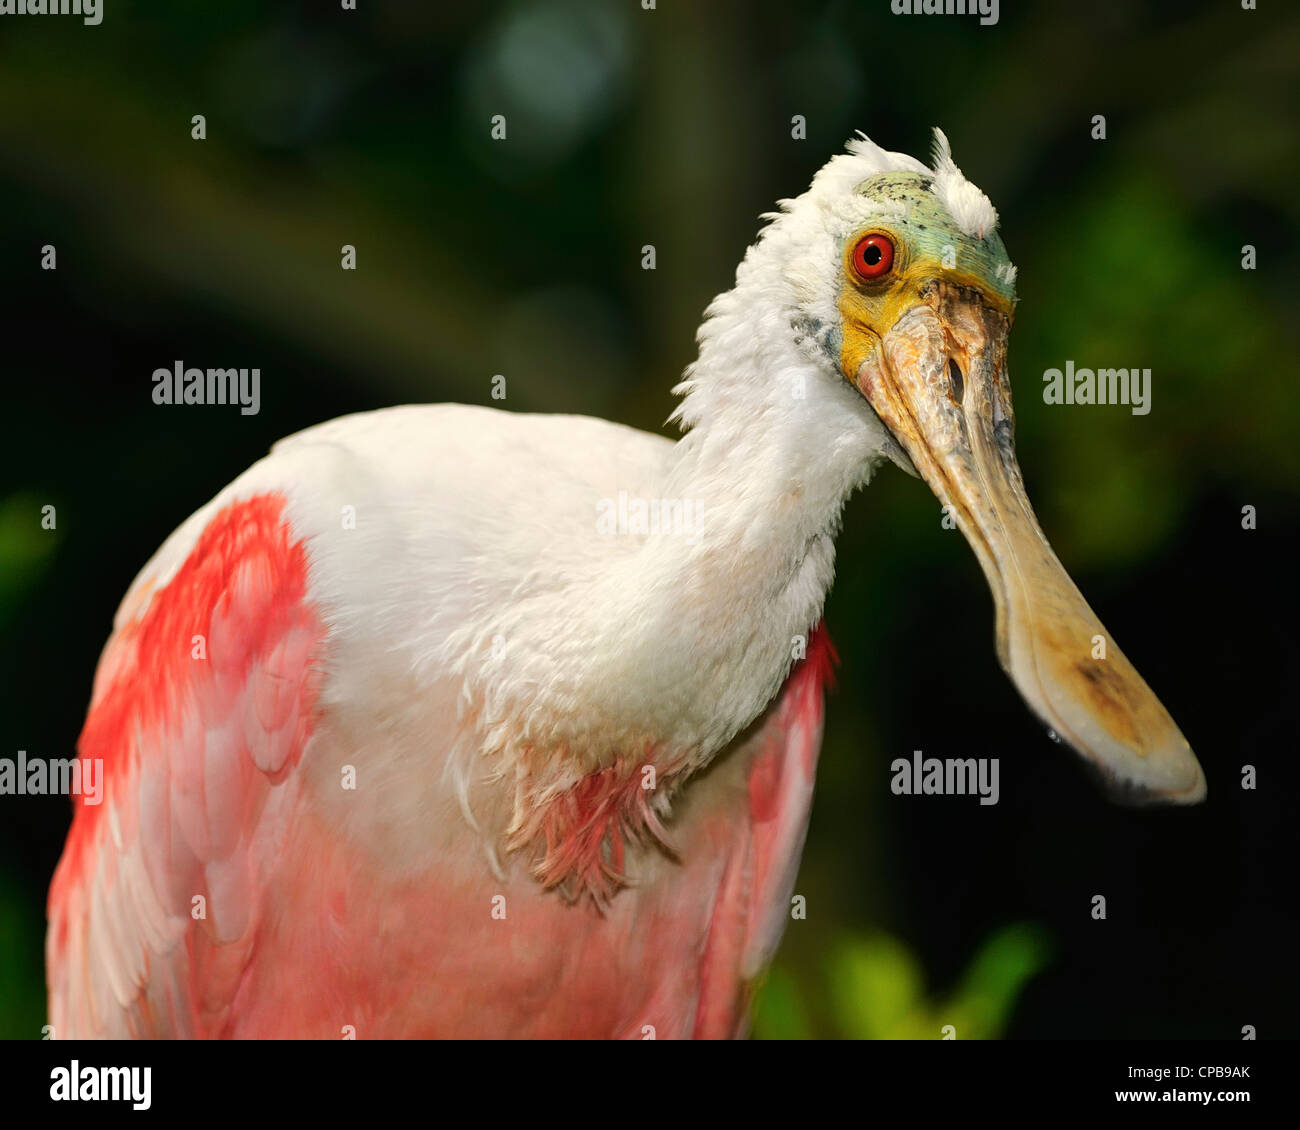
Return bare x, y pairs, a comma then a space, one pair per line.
24, 548
874, 987
22, 972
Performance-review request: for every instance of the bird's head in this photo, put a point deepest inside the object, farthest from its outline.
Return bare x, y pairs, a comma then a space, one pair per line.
894, 277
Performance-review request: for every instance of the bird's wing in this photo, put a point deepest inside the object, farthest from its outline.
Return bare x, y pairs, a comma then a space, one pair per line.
203, 702
753, 902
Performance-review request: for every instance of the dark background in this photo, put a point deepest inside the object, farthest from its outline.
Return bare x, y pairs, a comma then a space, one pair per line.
522, 257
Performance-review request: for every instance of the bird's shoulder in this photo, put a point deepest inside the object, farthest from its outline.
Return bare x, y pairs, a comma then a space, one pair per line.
437, 483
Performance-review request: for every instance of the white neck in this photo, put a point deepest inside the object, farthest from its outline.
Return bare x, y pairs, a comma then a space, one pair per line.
660, 648
693, 635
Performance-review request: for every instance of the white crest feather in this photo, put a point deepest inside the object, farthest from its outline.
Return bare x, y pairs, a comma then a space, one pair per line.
967, 205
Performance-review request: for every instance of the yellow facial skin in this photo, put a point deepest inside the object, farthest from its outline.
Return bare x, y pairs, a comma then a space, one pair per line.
869, 307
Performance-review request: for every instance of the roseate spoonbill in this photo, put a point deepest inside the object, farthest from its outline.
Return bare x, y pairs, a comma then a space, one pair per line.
447, 721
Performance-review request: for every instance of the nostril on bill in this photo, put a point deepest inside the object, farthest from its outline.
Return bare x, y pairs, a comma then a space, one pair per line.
955, 381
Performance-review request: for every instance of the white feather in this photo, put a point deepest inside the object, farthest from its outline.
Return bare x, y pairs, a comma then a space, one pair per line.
974, 214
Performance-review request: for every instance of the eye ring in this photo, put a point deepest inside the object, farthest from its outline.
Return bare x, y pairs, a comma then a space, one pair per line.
873, 256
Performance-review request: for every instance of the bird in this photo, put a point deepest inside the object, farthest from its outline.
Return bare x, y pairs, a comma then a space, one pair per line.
446, 721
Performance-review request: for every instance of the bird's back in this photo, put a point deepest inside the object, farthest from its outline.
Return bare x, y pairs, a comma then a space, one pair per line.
299, 835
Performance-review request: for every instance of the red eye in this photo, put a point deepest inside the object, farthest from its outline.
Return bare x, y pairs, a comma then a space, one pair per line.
873, 256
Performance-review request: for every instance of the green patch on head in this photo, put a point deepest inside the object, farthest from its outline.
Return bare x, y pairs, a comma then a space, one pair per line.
913, 213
